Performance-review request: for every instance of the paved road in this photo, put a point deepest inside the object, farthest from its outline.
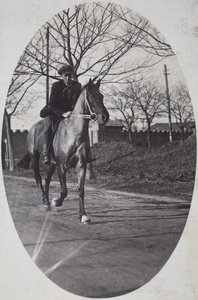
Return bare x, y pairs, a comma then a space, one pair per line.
130, 238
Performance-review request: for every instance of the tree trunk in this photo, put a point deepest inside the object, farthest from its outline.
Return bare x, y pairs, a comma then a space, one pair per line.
130, 136
149, 134
182, 133
169, 106
9, 141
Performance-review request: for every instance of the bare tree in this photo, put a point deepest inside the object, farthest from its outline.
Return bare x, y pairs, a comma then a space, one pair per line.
96, 40
125, 108
139, 100
18, 89
149, 100
181, 106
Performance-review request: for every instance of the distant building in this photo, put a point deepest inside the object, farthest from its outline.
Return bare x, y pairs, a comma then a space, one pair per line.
165, 127
111, 131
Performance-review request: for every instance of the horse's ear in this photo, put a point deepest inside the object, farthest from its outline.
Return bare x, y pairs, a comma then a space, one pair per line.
89, 83
98, 83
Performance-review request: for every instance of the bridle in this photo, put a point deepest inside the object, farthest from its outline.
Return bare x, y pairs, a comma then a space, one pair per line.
91, 116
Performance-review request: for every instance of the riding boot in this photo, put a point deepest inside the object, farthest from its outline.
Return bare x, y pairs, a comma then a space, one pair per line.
90, 160
47, 140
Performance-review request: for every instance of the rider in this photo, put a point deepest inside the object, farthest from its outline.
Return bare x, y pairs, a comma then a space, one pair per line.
64, 94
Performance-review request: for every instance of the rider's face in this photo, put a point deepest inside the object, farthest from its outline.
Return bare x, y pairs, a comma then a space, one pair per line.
65, 77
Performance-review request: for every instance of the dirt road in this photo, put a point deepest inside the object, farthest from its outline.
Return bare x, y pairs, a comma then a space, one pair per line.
129, 240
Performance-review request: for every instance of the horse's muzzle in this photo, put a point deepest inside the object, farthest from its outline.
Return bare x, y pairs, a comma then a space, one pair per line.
102, 119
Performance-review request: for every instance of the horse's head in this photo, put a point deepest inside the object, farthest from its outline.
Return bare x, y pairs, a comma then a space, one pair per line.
94, 102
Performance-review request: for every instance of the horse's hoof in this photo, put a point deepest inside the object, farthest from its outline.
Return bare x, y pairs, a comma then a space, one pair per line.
85, 220
56, 202
47, 207
46, 202
55, 211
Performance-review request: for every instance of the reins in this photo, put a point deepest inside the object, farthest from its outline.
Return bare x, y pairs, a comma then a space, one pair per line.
91, 116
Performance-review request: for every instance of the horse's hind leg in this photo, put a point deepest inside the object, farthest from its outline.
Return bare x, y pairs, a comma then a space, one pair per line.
35, 166
62, 178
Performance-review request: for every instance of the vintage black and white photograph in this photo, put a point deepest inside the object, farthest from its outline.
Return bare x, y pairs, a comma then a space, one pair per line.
98, 153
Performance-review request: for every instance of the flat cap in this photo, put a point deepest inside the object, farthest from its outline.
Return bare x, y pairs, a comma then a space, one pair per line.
67, 69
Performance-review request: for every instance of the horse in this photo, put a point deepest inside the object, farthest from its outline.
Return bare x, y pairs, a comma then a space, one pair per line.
70, 145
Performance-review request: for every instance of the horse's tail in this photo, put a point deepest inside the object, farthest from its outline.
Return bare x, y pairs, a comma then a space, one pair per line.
24, 162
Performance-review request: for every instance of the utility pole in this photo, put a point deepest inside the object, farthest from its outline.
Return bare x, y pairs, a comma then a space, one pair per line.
168, 102
47, 66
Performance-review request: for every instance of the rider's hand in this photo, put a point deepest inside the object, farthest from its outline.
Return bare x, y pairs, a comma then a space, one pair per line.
66, 114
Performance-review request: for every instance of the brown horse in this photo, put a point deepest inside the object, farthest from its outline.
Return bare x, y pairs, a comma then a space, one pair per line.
71, 146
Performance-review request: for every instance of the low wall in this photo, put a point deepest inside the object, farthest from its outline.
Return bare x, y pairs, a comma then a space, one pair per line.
19, 143
158, 138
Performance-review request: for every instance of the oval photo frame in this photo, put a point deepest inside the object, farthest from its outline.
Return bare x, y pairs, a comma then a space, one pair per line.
75, 247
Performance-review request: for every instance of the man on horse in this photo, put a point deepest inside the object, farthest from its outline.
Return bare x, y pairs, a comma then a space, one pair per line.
64, 94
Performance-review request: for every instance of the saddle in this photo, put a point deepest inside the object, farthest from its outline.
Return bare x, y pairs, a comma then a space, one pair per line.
46, 112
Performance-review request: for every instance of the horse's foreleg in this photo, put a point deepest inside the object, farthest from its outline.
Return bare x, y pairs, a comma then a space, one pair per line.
81, 172
62, 178
49, 172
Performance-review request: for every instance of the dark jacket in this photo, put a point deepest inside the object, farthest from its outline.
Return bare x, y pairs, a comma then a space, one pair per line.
62, 99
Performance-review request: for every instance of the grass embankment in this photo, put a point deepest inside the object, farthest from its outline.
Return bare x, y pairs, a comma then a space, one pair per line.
169, 170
